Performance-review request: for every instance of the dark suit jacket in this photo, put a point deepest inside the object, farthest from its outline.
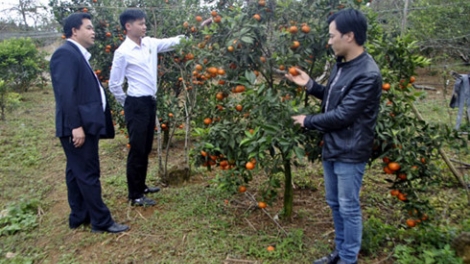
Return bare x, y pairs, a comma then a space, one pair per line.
77, 94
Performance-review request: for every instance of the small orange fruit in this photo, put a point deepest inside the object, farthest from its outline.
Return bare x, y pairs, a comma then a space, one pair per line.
185, 24
412, 79
386, 86
198, 18
241, 189
257, 17
249, 165
411, 222
207, 121
293, 71
305, 29
394, 166
239, 108
213, 13
394, 192
170, 115
387, 170
239, 88
203, 153
262, 205
401, 197
217, 19
219, 96
230, 48
402, 176
293, 29
270, 248
295, 44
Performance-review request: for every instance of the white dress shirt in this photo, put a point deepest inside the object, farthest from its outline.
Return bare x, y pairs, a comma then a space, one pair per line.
87, 57
139, 65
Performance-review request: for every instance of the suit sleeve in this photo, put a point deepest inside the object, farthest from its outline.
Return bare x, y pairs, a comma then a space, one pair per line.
64, 75
363, 91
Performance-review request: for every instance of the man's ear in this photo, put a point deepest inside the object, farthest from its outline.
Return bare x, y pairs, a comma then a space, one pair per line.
350, 36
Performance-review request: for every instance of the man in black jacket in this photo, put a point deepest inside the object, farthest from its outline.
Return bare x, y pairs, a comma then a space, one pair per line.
350, 105
82, 118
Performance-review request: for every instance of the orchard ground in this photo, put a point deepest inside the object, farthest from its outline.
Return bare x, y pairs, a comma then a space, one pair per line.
194, 222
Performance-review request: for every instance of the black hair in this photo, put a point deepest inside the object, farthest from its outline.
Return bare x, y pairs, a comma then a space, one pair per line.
74, 21
351, 20
130, 15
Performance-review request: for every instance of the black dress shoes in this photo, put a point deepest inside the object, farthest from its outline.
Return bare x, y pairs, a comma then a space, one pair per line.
151, 190
114, 228
332, 258
143, 201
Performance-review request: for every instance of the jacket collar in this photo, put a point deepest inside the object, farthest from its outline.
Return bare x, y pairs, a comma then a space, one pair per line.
355, 61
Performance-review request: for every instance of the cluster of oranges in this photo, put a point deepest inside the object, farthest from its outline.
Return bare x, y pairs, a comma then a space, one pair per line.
392, 167
403, 83
200, 76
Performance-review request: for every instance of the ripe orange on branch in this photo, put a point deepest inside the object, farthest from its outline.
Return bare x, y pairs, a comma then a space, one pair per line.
394, 166
411, 222
295, 44
198, 18
305, 29
207, 121
249, 165
293, 29
262, 205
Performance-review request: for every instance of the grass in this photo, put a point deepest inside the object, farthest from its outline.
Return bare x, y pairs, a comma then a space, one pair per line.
191, 223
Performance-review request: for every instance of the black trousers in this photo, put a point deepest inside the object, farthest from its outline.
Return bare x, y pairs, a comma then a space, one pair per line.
140, 114
82, 175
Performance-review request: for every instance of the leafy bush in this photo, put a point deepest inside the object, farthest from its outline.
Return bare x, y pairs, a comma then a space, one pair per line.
375, 235
19, 217
21, 64
8, 100
427, 245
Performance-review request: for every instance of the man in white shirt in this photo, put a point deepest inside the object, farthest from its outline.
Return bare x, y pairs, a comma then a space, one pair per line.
136, 60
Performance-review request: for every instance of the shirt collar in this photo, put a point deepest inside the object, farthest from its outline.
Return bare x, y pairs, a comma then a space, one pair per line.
134, 45
84, 51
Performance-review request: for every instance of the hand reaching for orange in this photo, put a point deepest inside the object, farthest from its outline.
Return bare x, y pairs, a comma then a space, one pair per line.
300, 79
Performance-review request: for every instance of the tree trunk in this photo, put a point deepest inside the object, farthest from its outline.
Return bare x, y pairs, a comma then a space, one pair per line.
288, 189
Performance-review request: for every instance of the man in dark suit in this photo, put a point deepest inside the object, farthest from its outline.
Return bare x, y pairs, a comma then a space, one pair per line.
82, 118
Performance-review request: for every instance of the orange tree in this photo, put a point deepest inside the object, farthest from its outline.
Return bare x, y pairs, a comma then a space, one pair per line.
405, 143
246, 117
244, 106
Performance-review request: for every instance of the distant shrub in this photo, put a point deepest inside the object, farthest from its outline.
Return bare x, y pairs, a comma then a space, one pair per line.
21, 63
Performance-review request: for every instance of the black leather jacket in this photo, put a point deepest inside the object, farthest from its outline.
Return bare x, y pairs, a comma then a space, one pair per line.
350, 105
